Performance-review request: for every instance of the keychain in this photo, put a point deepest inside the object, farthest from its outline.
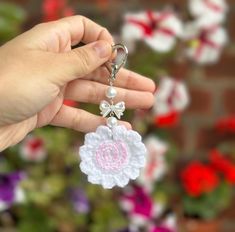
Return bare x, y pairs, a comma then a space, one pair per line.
112, 155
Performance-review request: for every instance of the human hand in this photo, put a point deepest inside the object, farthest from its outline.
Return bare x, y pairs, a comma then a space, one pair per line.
38, 70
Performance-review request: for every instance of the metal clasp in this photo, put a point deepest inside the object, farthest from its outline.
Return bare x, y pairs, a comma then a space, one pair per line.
120, 60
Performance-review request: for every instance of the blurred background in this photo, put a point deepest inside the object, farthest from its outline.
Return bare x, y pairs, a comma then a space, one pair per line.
188, 48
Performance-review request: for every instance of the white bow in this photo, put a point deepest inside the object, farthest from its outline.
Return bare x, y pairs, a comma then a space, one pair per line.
106, 108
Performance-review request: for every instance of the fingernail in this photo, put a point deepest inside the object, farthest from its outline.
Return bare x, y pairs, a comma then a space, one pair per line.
103, 49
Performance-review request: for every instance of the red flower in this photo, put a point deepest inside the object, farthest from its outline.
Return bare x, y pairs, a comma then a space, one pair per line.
230, 174
198, 179
226, 124
223, 165
168, 120
55, 9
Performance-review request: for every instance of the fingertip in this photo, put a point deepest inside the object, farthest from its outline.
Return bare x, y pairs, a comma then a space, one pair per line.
153, 86
149, 100
103, 48
150, 84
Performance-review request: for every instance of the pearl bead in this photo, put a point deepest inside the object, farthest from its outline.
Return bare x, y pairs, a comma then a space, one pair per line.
112, 121
111, 92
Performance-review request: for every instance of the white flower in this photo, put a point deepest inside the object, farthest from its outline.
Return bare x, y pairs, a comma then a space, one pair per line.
158, 29
171, 96
33, 149
205, 44
156, 165
208, 12
112, 156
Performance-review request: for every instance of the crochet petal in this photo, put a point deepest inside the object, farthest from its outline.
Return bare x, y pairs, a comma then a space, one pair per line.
108, 181
131, 172
121, 179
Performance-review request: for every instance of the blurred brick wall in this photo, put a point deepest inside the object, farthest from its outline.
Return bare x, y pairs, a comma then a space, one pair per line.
212, 88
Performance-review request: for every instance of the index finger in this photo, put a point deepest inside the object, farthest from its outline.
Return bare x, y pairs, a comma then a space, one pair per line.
67, 31
85, 30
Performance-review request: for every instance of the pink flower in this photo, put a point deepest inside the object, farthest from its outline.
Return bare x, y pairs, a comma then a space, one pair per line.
139, 205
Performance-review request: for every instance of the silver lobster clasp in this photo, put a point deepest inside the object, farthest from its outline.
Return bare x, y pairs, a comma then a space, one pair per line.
119, 61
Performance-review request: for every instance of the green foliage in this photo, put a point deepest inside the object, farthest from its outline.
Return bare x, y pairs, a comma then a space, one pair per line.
34, 219
107, 217
11, 19
148, 62
208, 206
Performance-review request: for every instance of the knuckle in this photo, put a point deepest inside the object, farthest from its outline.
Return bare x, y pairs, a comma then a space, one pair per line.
95, 94
104, 33
104, 30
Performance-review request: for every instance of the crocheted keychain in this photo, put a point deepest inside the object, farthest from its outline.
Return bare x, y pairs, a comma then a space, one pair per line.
112, 155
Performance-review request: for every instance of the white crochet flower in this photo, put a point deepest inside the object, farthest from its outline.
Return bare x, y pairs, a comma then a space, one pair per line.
112, 156
208, 12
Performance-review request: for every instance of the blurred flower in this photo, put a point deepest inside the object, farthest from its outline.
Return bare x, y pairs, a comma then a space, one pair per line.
171, 98
33, 149
204, 44
226, 124
155, 166
10, 191
79, 200
129, 229
139, 205
167, 225
167, 120
198, 178
55, 9
112, 157
160, 229
158, 29
208, 12
223, 165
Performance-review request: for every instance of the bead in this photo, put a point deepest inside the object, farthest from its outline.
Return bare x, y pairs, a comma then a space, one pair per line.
112, 121
111, 92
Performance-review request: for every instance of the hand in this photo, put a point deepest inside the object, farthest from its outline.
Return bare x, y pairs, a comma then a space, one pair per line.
38, 70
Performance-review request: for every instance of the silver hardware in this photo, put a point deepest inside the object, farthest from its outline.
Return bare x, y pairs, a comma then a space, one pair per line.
120, 60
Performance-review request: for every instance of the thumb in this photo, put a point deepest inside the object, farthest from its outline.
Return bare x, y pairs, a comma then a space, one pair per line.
83, 60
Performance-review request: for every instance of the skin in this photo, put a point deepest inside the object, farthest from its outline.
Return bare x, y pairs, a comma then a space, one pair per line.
38, 70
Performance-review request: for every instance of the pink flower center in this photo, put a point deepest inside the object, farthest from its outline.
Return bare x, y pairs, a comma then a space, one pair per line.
111, 155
